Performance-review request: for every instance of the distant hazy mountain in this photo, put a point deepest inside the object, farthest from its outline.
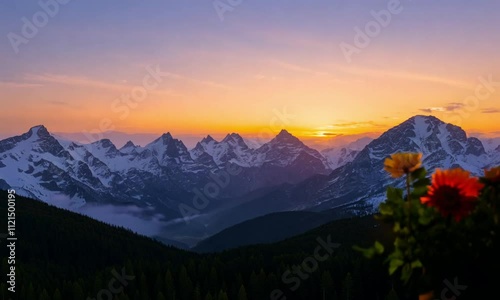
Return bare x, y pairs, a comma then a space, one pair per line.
341, 155
263, 230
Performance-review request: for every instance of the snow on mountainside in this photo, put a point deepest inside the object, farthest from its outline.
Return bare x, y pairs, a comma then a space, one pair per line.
231, 149
284, 149
36, 165
164, 173
495, 154
284, 172
443, 146
339, 156
490, 144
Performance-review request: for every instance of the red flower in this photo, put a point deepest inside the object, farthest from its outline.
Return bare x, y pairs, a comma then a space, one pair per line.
453, 192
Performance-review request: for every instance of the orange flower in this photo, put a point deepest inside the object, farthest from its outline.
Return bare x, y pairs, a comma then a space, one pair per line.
492, 175
453, 192
402, 163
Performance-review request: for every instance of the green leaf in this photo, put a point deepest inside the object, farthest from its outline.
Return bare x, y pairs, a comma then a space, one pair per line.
370, 252
422, 182
406, 273
416, 264
394, 265
366, 252
425, 216
400, 243
386, 209
394, 194
419, 174
397, 227
379, 248
419, 191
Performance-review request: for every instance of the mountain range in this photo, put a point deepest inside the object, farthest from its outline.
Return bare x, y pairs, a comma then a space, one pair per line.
164, 181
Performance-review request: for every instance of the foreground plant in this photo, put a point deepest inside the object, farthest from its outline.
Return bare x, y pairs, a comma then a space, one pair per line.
440, 227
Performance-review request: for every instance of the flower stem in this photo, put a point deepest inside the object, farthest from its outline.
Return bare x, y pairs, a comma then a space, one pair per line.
408, 179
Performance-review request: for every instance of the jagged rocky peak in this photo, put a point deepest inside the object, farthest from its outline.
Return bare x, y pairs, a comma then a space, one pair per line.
432, 125
39, 130
166, 136
428, 117
475, 147
286, 137
129, 147
164, 139
235, 138
208, 139
129, 144
105, 143
284, 134
167, 147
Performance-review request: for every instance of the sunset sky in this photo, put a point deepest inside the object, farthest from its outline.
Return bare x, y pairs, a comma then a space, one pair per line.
264, 60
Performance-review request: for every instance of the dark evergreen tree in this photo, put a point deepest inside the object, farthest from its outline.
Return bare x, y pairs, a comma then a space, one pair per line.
242, 293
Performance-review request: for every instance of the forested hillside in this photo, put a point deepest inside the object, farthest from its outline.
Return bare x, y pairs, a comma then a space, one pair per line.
62, 255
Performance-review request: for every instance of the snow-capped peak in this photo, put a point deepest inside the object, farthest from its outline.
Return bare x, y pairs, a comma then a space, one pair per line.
166, 136
341, 155
231, 149
39, 131
285, 136
235, 139
129, 144
208, 139
285, 149
104, 143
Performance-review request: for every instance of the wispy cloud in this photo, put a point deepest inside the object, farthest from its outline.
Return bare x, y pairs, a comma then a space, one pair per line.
11, 84
450, 107
352, 125
329, 134
87, 82
63, 104
406, 75
305, 70
490, 110
197, 81
261, 76
286, 38
301, 69
75, 80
